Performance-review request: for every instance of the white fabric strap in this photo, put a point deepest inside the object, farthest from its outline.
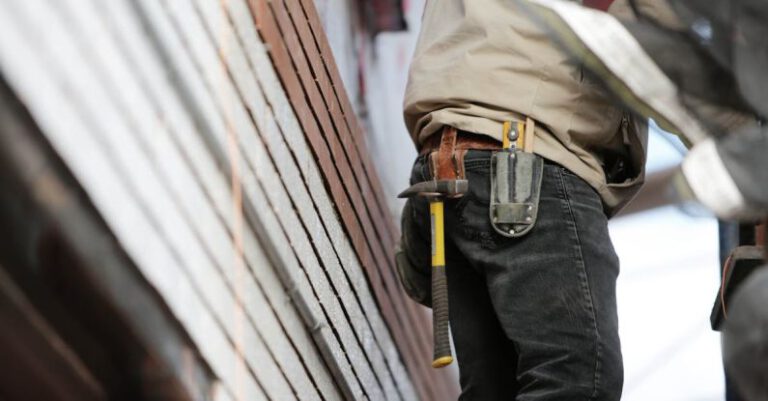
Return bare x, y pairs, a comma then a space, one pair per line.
711, 183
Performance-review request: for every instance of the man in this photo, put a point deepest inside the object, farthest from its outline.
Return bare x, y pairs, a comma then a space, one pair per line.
532, 313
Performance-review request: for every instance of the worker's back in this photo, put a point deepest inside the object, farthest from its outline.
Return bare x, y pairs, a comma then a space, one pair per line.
479, 63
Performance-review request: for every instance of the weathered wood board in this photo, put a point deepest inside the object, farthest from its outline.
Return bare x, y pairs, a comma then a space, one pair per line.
217, 142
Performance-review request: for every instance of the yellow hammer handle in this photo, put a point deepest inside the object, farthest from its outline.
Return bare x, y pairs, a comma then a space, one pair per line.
440, 332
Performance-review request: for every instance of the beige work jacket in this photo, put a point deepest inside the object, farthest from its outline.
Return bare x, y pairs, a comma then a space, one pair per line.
479, 63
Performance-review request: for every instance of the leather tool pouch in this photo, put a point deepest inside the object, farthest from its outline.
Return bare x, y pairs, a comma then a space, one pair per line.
412, 260
515, 190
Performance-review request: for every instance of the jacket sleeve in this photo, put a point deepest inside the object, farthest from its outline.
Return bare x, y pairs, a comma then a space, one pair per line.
728, 174
659, 11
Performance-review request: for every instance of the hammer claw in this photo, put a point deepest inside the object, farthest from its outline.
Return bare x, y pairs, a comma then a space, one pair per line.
437, 188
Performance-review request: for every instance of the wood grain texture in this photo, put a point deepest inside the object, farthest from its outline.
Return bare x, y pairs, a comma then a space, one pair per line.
126, 154
223, 153
254, 150
296, 43
291, 132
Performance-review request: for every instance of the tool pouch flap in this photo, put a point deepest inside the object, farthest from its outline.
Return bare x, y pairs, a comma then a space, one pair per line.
515, 190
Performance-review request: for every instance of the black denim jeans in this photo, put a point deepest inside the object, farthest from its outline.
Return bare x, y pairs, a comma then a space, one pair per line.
532, 318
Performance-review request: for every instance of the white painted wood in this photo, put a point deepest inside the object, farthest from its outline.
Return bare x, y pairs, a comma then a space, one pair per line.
255, 150
289, 128
177, 232
272, 334
268, 336
24, 63
289, 279
322, 333
96, 97
290, 173
160, 178
359, 282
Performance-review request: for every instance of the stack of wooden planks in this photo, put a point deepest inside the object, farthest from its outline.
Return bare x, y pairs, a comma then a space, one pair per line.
218, 144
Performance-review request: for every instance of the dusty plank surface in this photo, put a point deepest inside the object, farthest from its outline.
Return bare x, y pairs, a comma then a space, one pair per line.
307, 71
236, 179
123, 154
254, 150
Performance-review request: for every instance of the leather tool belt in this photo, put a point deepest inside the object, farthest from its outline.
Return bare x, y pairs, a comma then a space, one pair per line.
516, 172
447, 150
464, 141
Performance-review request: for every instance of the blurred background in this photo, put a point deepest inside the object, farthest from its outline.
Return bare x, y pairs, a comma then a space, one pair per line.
668, 282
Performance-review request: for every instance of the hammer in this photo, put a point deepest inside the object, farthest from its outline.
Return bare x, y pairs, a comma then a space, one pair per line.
436, 191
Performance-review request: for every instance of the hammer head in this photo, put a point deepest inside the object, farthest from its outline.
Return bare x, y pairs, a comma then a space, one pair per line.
437, 188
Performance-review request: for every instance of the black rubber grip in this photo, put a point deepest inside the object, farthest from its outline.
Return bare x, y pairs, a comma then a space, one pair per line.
440, 331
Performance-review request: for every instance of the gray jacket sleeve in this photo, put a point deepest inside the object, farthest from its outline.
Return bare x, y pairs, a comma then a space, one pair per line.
729, 175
